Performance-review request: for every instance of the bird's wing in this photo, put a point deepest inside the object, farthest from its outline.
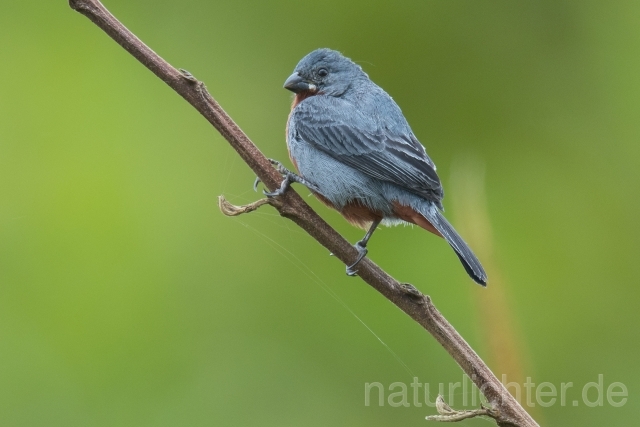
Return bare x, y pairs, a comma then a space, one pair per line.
361, 141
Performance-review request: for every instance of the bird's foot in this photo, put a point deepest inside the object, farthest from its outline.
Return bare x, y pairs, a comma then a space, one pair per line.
280, 168
289, 177
286, 183
362, 252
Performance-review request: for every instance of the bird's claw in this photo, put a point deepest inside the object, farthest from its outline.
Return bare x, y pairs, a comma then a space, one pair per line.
289, 177
286, 182
278, 192
362, 252
283, 171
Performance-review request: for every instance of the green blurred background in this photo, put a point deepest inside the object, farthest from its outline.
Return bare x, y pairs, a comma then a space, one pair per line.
127, 298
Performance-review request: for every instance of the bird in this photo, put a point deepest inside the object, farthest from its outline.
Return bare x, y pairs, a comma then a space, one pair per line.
353, 148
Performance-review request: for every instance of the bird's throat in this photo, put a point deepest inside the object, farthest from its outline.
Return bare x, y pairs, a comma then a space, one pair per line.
301, 96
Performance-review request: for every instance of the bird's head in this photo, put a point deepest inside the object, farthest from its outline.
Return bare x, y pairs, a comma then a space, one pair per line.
324, 71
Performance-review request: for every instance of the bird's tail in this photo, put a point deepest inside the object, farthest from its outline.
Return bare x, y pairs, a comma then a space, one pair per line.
464, 252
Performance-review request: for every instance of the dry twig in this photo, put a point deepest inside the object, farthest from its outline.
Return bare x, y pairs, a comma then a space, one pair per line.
449, 415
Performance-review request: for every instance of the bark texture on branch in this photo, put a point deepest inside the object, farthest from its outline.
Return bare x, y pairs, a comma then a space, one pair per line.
505, 409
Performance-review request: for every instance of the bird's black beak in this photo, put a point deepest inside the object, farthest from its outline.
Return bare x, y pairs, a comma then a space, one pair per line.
297, 84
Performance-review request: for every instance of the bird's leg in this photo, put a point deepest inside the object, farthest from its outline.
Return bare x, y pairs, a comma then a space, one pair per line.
361, 247
289, 177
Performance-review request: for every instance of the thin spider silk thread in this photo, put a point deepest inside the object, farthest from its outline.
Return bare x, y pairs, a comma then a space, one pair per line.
289, 256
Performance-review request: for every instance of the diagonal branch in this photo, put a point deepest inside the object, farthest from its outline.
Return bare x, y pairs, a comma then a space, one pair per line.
508, 412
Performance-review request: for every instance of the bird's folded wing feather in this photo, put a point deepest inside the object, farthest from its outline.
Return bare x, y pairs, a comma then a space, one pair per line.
363, 142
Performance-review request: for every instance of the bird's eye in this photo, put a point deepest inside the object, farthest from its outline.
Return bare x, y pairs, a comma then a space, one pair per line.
322, 72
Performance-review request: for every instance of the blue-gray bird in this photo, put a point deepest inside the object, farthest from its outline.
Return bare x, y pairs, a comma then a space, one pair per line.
355, 151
